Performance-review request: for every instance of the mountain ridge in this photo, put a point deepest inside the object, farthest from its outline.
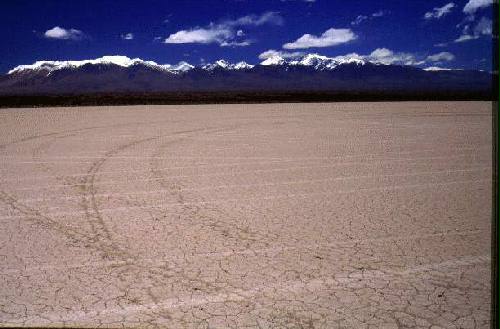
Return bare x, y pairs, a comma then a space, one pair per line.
311, 72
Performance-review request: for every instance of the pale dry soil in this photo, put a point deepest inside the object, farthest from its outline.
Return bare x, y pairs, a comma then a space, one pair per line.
340, 215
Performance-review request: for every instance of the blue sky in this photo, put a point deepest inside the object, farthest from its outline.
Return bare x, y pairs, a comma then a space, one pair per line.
450, 34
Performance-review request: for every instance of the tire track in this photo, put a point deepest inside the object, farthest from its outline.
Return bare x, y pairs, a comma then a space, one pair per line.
196, 211
102, 234
98, 229
76, 238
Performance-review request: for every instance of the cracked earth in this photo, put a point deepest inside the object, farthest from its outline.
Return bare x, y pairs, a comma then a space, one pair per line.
340, 215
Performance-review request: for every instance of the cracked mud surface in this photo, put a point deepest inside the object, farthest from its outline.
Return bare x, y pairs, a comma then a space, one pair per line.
341, 215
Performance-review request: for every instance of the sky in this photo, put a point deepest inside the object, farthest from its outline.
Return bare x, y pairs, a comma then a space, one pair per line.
447, 34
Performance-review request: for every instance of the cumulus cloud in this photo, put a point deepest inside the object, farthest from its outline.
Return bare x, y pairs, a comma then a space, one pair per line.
390, 57
483, 27
349, 57
331, 37
212, 34
64, 34
441, 57
361, 18
127, 36
387, 56
439, 12
473, 5
225, 32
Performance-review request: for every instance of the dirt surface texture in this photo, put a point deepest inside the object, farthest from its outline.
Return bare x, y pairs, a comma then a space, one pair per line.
321, 215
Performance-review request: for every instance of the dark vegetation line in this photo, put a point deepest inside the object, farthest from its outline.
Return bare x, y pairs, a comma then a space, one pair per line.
234, 97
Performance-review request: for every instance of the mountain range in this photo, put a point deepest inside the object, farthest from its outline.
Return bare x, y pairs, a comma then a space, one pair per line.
311, 72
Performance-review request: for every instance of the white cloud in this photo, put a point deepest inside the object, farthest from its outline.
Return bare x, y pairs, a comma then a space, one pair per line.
270, 17
379, 55
436, 68
387, 56
441, 57
236, 43
362, 18
466, 37
331, 37
439, 12
283, 54
473, 5
127, 36
61, 33
483, 27
359, 20
380, 13
224, 33
201, 35
349, 57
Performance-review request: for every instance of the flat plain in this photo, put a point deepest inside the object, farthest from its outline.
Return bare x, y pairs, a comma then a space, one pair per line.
321, 215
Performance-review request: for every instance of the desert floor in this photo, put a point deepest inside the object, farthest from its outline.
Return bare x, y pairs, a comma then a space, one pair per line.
340, 215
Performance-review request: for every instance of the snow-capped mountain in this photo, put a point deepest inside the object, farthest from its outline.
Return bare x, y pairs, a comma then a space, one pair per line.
274, 60
123, 61
309, 72
316, 61
179, 67
225, 65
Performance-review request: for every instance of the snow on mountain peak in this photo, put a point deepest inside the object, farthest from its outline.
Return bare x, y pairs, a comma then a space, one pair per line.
242, 65
122, 61
273, 60
352, 58
312, 59
318, 62
221, 63
183, 66
57, 65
